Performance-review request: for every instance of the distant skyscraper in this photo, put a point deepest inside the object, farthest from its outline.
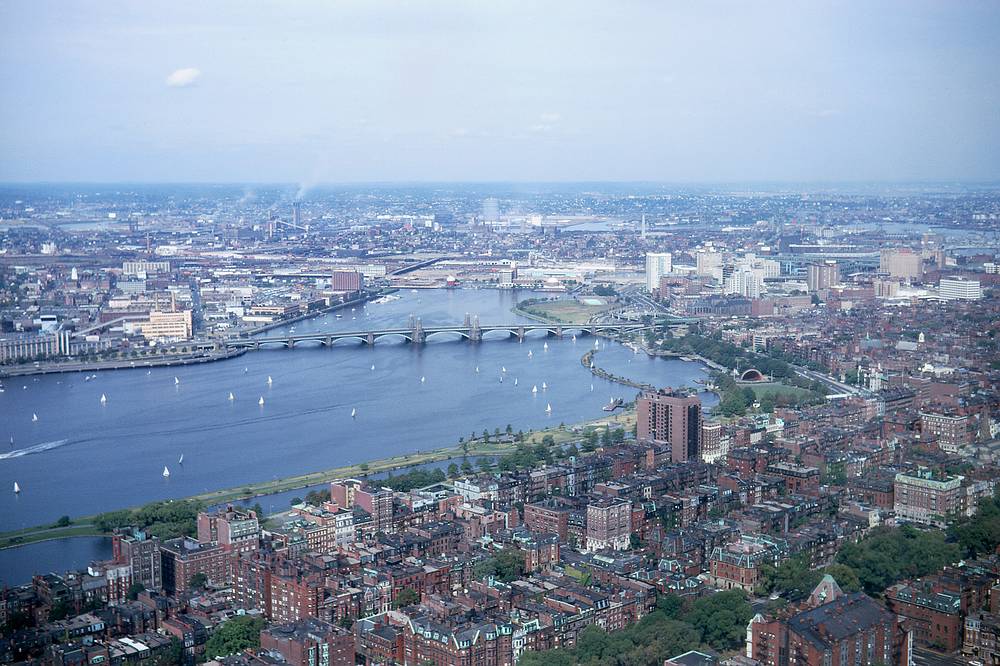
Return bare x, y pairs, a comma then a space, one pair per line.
296, 213
491, 211
642, 226
822, 275
657, 264
901, 263
673, 418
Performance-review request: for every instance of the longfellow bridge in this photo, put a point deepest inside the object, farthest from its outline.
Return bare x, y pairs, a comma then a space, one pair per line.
416, 333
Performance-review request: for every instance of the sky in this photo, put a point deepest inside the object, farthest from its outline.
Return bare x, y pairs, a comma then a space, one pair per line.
468, 90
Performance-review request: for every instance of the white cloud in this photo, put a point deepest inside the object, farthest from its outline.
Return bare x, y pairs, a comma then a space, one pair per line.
549, 118
182, 78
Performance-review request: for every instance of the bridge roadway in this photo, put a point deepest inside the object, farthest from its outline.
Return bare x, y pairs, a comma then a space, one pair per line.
418, 334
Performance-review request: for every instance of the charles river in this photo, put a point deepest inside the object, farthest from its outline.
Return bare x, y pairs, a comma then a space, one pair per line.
82, 457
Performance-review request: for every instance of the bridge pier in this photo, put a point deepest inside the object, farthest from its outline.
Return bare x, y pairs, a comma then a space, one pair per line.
290, 343
328, 341
559, 331
370, 339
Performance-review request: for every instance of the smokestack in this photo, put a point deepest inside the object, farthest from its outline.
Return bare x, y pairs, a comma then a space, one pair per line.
296, 213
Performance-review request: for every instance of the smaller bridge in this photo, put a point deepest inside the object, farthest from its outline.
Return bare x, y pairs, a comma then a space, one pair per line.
416, 333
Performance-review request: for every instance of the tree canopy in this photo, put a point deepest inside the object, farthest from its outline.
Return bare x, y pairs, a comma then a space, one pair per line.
234, 636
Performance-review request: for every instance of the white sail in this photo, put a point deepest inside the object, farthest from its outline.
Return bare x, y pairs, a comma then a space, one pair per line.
545, 346
591, 388
503, 368
104, 398
574, 338
501, 379
373, 366
477, 369
529, 353
422, 379
544, 386
17, 488
261, 401
269, 381
166, 472
180, 461
354, 412
231, 396
548, 407
176, 381
515, 381
34, 417
534, 389
597, 344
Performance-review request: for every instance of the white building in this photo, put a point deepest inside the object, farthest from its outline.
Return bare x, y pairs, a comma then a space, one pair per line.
657, 265
956, 288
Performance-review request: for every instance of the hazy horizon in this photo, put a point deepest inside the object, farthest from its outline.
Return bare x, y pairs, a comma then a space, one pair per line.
356, 93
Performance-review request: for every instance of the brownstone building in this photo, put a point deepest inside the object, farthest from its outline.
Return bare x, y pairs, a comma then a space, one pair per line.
310, 642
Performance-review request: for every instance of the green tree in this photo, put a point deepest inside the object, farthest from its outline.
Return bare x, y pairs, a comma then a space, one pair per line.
506, 566
722, 619
134, 590
64, 521
452, 470
406, 597
466, 467
235, 635
295, 500
197, 581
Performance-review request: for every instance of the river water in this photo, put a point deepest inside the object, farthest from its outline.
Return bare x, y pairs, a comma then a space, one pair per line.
81, 457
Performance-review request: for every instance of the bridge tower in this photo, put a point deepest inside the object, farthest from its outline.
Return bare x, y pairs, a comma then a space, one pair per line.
475, 331
417, 332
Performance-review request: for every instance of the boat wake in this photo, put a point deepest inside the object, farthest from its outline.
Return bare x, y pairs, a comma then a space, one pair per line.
37, 448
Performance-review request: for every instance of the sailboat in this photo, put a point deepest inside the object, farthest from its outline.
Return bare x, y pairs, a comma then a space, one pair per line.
534, 389
503, 368
269, 381
545, 346
17, 488
166, 472
529, 353
544, 386
422, 379
354, 412
231, 396
515, 381
180, 461
12, 440
176, 381
597, 344
574, 338
261, 401
104, 398
548, 408
591, 388
34, 417
477, 369
246, 370
501, 379
373, 367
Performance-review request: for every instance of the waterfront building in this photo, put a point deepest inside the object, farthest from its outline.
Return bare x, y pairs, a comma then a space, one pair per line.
671, 417
142, 554
349, 281
167, 326
236, 529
